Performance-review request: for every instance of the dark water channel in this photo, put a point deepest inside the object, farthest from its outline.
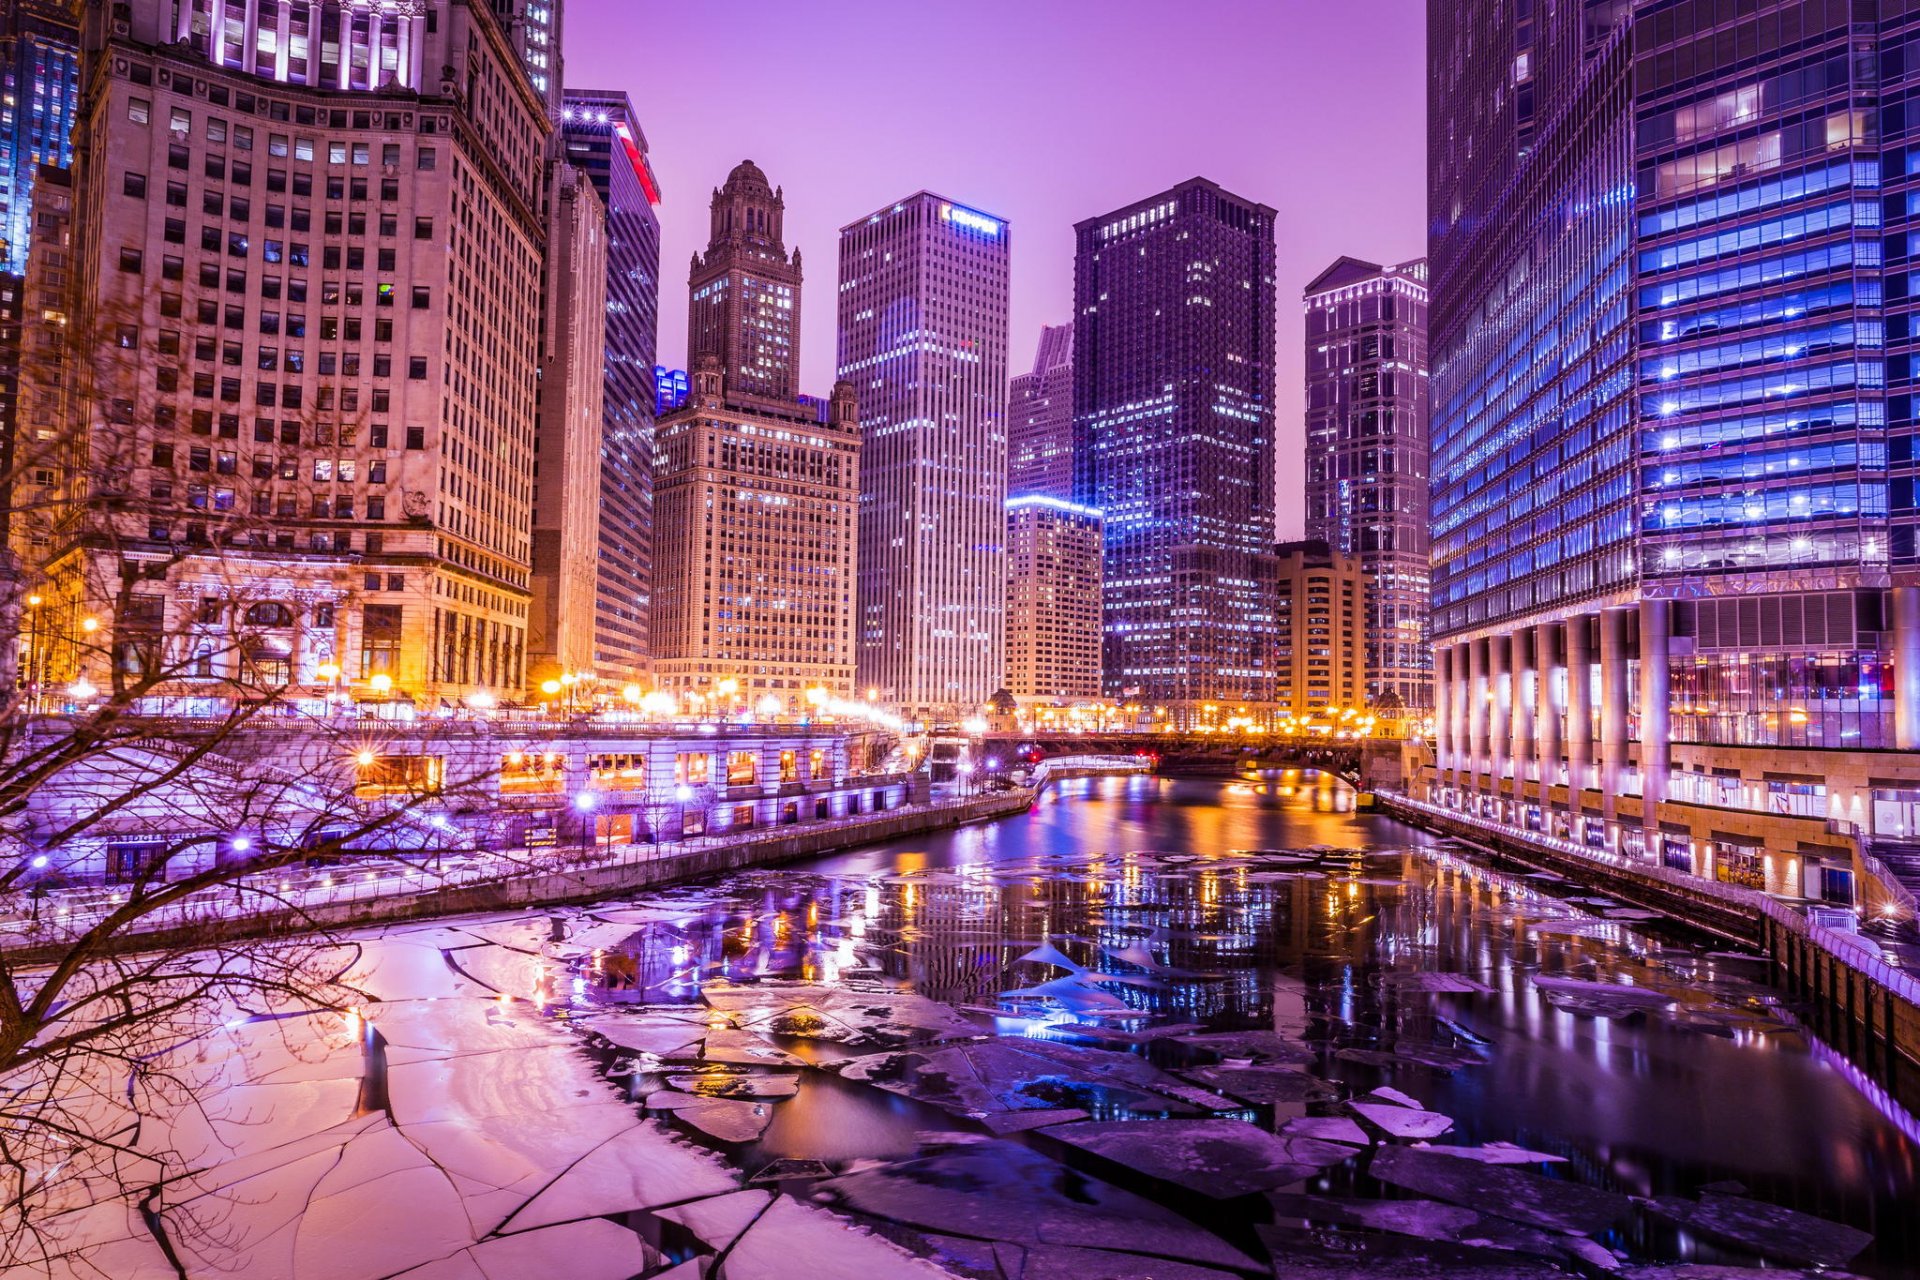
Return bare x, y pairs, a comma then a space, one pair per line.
1371, 955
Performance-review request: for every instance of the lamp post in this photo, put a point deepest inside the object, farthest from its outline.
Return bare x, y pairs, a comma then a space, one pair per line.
33, 653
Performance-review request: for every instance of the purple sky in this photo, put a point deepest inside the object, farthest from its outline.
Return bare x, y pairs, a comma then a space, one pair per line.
1041, 111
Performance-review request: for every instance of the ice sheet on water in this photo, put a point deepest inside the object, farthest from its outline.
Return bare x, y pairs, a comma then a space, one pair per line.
832, 1249
986, 1076
718, 1222
1766, 1230
639, 1168
1513, 1194
1327, 1129
397, 1221
1053, 1262
1498, 1153
1263, 1085
1598, 999
1402, 1122
726, 1119
999, 1191
1047, 953
1220, 1158
1422, 1219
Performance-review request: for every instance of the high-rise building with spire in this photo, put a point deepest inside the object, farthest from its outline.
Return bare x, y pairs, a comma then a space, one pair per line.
756, 491
745, 291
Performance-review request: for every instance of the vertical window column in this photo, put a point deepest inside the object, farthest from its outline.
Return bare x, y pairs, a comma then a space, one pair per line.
1480, 760
1499, 709
1443, 722
1906, 668
1546, 718
1521, 696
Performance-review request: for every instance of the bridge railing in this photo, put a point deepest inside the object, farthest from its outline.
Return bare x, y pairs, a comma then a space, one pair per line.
1047, 769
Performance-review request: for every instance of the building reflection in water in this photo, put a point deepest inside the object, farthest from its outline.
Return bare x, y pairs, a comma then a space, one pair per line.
1334, 949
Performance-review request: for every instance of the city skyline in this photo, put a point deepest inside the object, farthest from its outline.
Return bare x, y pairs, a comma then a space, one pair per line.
1073, 64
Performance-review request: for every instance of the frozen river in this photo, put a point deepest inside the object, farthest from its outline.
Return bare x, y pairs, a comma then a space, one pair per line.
1178, 1029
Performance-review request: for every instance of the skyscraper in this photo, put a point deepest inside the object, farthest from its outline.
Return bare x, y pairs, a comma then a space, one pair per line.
745, 306
601, 136
1053, 600
923, 339
1367, 459
1673, 554
757, 504
1173, 440
39, 101
1040, 420
567, 505
534, 28
320, 408
1320, 631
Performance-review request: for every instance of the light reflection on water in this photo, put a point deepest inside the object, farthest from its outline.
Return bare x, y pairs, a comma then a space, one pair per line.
1720, 1086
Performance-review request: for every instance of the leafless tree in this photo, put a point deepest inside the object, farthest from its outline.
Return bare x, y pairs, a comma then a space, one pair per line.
154, 735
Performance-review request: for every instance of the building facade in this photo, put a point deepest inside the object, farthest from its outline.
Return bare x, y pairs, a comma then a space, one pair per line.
754, 571
1676, 594
671, 389
567, 501
317, 267
923, 339
601, 136
39, 99
1366, 472
1053, 600
1173, 387
1040, 420
1321, 615
534, 29
745, 304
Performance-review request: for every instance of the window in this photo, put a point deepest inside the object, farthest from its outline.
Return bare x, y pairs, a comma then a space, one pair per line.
743, 768
690, 768
416, 368
789, 766
422, 297
138, 109
424, 158
423, 228
135, 185
380, 639
130, 259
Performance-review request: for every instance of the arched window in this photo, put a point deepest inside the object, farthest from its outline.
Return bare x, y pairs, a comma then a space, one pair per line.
270, 613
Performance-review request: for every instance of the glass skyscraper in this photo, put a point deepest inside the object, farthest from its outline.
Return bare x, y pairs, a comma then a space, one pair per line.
600, 135
39, 94
1173, 439
1673, 554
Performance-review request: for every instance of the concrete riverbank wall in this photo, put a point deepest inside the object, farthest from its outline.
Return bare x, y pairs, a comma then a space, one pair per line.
1861, 1004
643, 867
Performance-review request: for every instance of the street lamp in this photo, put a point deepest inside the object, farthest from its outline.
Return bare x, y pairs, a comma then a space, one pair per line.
584, 804
381, 684
81, 690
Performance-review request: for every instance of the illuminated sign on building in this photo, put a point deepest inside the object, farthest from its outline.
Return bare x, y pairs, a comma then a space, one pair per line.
969, 219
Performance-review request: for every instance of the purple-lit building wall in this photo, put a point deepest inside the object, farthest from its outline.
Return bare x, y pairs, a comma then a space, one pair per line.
600, 135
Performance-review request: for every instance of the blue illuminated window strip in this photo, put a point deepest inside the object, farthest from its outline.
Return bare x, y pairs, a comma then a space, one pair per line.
1769, 464
1750, 198
1796, 344
1777, 505
1755, 235
1762, 271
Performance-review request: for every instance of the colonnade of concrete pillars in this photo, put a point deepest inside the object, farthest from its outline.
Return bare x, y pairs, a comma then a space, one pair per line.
1549, 704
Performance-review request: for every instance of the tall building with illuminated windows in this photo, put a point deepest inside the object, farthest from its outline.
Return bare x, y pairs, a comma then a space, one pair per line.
39, 98
745, 290
923, 340
1173, 333
315, 255
1366, 467
534, 28
601, 136
1040, 420
753, 572
1676, 590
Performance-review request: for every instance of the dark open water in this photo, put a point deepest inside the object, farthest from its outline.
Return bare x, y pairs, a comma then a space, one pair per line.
1721, 1085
